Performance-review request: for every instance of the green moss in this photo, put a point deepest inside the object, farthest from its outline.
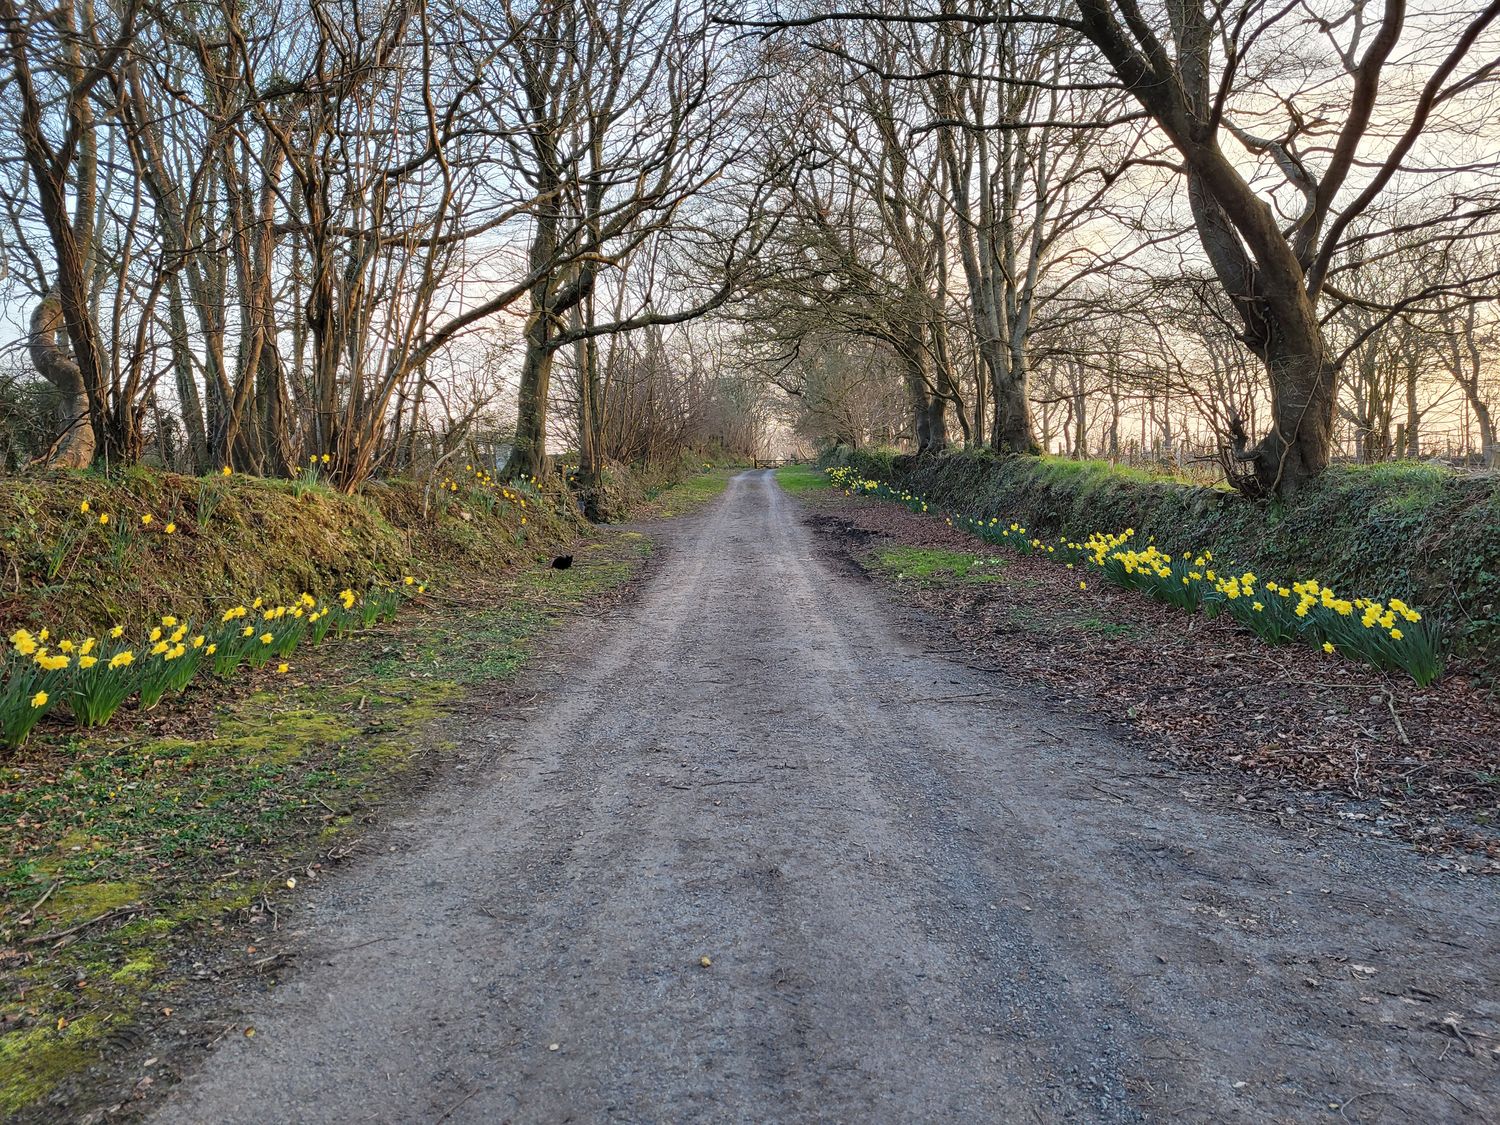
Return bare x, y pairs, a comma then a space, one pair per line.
80, 902
35, 1060
137, 968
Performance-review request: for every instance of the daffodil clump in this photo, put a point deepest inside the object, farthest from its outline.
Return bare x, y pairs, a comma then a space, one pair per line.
1390, 635
486, 491
853, 484
93, 677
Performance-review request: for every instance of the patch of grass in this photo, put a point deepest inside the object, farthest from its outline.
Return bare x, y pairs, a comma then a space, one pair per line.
930, 565
1105, 628
692, 492
142, 835
798, 479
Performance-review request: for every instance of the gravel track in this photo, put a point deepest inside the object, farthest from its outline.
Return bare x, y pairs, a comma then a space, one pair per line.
926, 895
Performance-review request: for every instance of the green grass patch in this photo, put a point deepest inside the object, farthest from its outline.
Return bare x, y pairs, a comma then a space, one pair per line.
138, 836
692, 492
1100, 627
930, 566
798, 479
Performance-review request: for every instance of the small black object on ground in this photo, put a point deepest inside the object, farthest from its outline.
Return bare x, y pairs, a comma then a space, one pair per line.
562, 562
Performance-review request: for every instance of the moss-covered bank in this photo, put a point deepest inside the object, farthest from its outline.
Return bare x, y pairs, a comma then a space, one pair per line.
1420, 532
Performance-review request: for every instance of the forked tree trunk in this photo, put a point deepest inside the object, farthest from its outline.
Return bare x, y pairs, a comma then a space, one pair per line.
74, 446
1299, 444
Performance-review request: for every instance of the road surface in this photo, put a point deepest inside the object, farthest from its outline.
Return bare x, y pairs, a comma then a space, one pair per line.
759, 856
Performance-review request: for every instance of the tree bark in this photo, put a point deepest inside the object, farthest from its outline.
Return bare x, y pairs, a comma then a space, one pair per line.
74, 447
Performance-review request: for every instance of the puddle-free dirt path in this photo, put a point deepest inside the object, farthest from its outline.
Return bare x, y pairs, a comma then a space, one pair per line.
924, 897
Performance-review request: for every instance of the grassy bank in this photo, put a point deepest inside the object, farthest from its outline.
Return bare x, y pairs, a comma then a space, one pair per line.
83, 551
1417, 532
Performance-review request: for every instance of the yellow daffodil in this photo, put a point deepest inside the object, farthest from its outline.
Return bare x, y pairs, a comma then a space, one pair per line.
39, 700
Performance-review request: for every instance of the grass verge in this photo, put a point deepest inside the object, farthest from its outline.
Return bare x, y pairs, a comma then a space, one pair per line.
129, 845
690, 493
800, 479
932, 565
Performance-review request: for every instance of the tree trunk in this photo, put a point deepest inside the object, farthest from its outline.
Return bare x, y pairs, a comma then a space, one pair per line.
1300, 442
528, 456
74, 447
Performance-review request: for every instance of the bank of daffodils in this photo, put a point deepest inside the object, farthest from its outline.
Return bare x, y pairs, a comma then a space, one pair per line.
1390, 635
90, 678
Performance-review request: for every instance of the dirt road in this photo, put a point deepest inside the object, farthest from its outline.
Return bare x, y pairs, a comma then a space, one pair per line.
925, 896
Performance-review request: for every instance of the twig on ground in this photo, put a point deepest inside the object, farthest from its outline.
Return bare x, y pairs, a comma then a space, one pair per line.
55, 935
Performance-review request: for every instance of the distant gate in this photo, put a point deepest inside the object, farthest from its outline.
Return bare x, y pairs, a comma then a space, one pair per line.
772, 462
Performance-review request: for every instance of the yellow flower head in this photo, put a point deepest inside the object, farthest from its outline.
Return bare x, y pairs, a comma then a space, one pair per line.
227, 471
122, 659
169, 621
1327, 647
25, 643
266, 638
170, 529
117, 632
210, 650
87, 662
103, 518
51, 663
84, 507
146, 519
281, 668
39, 699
